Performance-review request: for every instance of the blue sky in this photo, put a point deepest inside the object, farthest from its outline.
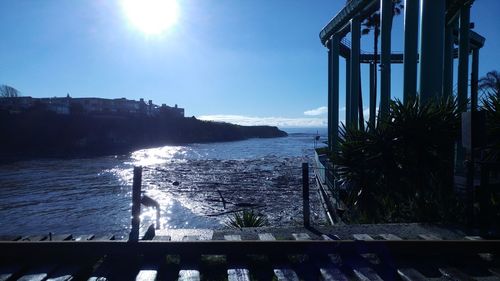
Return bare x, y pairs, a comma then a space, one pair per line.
251, 62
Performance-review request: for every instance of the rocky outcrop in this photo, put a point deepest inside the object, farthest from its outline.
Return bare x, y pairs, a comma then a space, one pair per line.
47, 134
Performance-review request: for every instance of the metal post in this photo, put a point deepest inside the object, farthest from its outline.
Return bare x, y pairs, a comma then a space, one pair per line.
305, 194
330, 107
385, 55
373, 95
463, 55
449, 48
348, 91
334, 94
355, 68
410, 49
431, 48
474, 80
463, 75
136, 204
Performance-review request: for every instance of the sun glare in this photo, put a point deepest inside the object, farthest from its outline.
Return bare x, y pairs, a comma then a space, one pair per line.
151, 16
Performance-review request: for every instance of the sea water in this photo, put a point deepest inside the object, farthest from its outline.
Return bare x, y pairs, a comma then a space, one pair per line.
197, 186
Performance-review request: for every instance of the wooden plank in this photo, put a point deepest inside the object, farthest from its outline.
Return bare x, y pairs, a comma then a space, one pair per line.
485, 256
214, 247
232, 237
101, 270
189, 275
191, 238
189, 272
60, 237
38, 272
495, 271
149, 269
455, 274
146, 275
178, 234
429, 237
473, 238
84, 237
411, 274
9, 237
266, 237
34, 238
366, 274
285, 274
236, 272
330, 237
301, 236
389, 236
8, 271
332, 274
362, 237
103, 237
447, 272
161, 238
65, 273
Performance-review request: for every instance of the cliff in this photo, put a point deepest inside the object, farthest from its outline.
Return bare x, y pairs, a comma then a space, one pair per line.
47, 134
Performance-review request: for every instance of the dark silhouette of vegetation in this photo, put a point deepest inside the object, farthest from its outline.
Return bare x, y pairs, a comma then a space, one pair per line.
490, 84
42, 133
247, 219
491, 104
8, 92
401, 170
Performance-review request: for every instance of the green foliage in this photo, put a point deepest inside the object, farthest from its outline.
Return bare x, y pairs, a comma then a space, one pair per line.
246, 219
491, 104
402, 169
490, 84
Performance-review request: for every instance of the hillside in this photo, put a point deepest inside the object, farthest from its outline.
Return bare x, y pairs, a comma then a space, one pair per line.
47, 134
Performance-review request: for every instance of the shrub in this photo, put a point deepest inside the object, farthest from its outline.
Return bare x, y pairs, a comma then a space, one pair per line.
246, 219
402, 169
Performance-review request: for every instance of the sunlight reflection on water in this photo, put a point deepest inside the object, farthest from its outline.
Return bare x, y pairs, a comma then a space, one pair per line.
94, 195
155, 156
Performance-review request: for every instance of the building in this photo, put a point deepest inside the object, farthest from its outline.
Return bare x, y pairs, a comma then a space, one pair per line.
68, 105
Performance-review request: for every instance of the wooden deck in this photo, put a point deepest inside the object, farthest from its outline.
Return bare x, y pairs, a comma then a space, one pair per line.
195, 255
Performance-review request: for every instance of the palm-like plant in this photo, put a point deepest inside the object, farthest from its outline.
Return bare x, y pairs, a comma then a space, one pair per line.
247, 219
490, 84
402, 169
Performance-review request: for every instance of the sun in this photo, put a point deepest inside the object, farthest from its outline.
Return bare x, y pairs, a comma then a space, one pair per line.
152, 17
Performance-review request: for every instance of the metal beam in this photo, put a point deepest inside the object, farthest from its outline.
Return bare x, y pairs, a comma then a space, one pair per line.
385, 62
410, 49
355, 68
373, 95
449, 50
348, 92
474, 80
333, 95
463, 55
342, 18
329, 95
432, 19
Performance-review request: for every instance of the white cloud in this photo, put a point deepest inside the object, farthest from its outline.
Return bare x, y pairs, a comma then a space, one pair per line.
317, 111
282, 122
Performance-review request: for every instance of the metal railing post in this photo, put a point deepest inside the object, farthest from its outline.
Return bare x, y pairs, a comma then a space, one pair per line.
305, 194
136, 204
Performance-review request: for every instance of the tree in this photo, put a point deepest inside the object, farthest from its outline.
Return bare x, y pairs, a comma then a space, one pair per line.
8, 92
490, 84
373, 23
